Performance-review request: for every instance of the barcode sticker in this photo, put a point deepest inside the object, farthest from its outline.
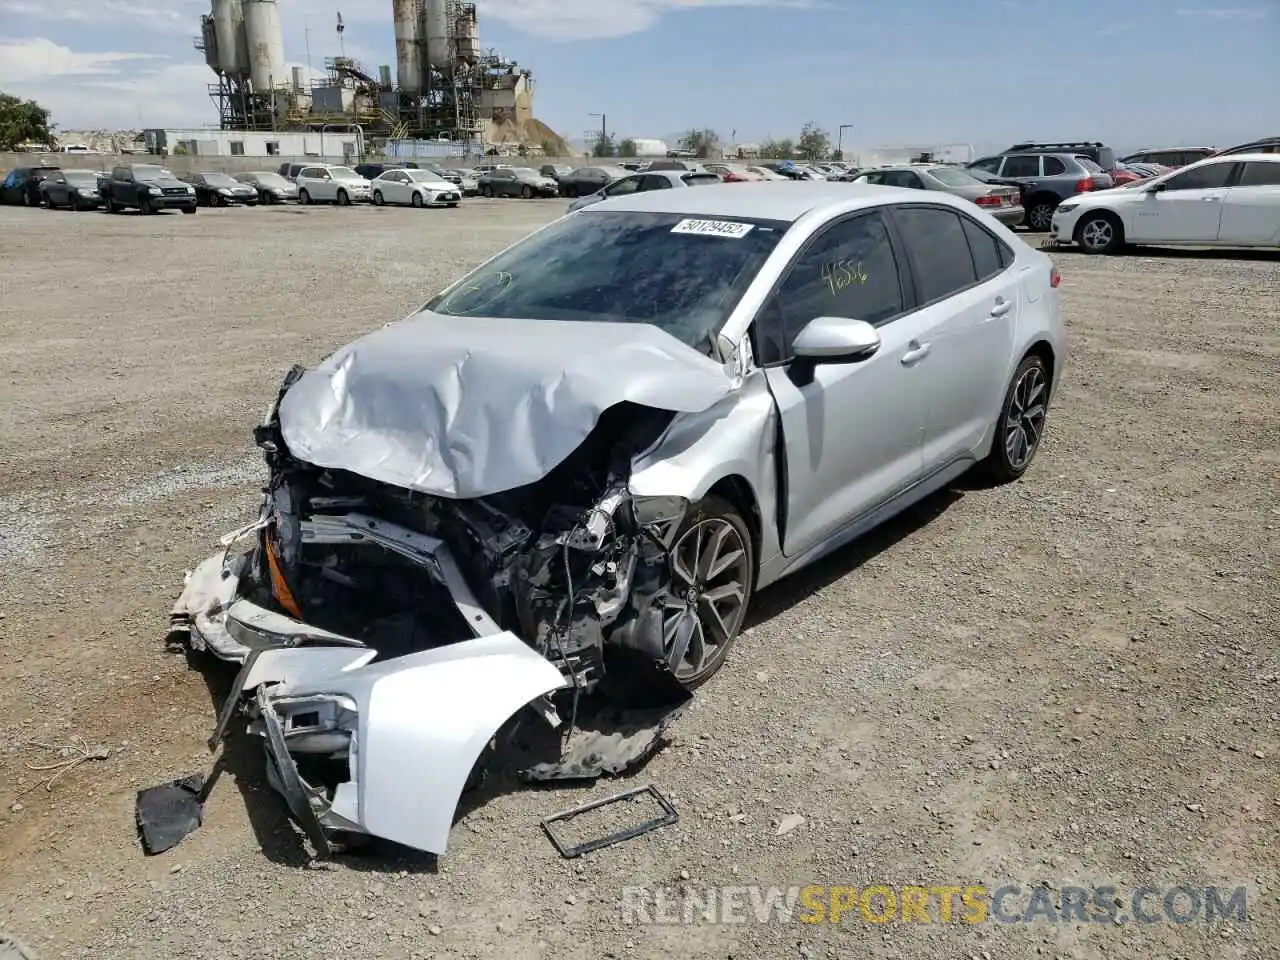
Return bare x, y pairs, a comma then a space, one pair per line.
714, 228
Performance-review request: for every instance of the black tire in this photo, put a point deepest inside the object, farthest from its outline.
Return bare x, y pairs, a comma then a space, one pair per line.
109, 205
1100, 232
526, 192
454, 206
417, 200
144, 206
304, 198
1028, 392
717, 511
189, 209
342, 199
571, 192
486, 190
1040, 215
377, 198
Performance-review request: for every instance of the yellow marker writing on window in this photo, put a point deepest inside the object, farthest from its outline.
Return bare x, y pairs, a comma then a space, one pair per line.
842, 274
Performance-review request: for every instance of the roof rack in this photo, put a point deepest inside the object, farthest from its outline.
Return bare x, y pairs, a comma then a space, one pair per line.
1064, 147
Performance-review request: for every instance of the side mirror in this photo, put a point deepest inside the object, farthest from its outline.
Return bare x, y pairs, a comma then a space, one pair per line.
1156, 188
836, 340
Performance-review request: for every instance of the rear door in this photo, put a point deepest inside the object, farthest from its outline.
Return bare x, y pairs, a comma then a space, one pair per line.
968, 298
1187, 210
851, 431
1251, 209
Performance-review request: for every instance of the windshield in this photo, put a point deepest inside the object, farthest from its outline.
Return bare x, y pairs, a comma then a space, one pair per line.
426, 176
269, 179
344, 173
220, 180
146, 173
77, 177
682, 275
951, 176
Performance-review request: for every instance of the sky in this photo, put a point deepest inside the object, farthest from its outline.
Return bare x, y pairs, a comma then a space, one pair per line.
895, 72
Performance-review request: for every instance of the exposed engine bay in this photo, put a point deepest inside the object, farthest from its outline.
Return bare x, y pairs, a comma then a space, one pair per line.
386, 636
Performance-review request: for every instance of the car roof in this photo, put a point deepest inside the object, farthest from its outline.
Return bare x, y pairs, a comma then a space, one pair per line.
1241, 158
785, 202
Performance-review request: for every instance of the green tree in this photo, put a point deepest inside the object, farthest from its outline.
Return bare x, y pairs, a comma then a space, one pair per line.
604, 146
777, 149
701, 143
815, 143
627, 148
23, 121
550, 148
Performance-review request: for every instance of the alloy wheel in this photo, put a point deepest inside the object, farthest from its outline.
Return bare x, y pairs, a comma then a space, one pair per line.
1097, 235
1041, 216
707, 601
1024, 420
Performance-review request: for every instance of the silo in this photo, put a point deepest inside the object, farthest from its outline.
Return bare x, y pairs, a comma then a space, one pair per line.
226, 29
436, 23
404, 15
266, 44
209, 40
467, 37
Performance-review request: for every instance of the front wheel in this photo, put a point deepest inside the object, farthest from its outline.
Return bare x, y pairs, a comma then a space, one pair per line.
417, 200
712, 570
1021, 425
343, 199
1099, 233
377, 198
144, 206
304, 198
188, 209
526, 192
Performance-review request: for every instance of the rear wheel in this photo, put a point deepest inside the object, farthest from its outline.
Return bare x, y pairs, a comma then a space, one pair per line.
1040, 215
712, 571
377, 198
1099, 233
1022, 419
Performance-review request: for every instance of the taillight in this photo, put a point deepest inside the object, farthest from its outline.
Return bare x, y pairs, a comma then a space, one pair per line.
1085, 185
1055, 277
732, 178
988, 201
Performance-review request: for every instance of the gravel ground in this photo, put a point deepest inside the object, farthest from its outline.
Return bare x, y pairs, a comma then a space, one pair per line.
1071, 680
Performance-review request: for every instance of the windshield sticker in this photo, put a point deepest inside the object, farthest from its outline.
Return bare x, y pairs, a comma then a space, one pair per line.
714, 228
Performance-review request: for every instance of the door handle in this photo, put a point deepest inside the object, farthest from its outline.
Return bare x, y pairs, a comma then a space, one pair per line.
917, 353
1210, 199
1001, 308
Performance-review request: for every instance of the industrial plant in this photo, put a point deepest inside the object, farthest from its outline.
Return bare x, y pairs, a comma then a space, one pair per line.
446, 87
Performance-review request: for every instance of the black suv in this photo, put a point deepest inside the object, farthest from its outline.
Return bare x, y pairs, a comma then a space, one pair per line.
22, 185
1099, 153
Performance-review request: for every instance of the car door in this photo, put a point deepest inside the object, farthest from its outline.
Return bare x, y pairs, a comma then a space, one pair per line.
1186, 208
55, 189
851, 432
1023, 167
967, 311
1251, 210
394, 187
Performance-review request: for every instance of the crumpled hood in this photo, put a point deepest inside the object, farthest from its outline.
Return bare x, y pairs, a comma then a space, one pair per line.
465, 407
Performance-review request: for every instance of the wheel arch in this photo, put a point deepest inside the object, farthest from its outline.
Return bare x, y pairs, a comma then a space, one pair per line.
1044, 350
737, 490
1104, 212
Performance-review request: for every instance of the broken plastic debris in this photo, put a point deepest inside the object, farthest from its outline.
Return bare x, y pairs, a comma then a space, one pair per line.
168, 813
789, 823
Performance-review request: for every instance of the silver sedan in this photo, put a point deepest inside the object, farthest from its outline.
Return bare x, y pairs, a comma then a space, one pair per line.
643, 182
1004, 202
570, 471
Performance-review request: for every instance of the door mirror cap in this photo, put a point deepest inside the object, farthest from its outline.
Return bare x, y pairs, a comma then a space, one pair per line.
836, 340
1156, 188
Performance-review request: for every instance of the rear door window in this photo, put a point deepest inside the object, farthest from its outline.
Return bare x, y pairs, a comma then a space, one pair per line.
939, 250
1021, 165
1260, 175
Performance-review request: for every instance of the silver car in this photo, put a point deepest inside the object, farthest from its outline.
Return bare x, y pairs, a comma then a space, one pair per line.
1001, 201
644, 182
569, 472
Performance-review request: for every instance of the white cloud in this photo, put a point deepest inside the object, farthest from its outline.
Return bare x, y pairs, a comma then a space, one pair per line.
599, 19
173, 16
1226, 14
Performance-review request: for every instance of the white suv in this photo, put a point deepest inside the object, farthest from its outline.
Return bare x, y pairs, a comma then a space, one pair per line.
326, 184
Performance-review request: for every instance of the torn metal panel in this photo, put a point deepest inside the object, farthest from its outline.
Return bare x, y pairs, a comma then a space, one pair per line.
411, 730
468, 409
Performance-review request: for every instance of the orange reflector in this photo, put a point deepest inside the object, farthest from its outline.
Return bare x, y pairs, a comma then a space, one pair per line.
279, 588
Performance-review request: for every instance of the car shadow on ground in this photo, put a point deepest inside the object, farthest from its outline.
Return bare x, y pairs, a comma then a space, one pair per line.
1205, 253
779, 597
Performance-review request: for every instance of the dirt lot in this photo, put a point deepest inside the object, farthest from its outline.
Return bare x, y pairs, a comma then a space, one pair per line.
1072, 680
